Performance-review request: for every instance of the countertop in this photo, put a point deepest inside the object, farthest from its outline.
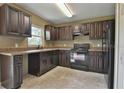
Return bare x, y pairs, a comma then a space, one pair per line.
20, 52
96, 49
11, 52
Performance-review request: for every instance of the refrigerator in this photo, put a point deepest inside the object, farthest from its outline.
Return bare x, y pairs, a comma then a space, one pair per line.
108, 52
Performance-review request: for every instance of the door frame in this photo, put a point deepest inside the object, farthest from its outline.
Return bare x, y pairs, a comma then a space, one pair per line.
119, 50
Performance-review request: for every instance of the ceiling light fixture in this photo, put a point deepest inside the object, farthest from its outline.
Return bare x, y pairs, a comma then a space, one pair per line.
65, 9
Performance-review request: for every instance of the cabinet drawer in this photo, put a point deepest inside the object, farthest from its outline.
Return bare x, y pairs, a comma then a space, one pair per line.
18, 59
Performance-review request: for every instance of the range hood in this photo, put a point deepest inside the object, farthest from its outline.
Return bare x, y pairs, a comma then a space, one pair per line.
77, 33
80, 33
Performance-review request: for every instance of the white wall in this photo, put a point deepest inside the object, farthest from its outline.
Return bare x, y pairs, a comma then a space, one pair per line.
119, 47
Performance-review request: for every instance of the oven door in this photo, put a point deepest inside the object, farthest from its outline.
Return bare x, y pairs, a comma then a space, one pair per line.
79, 60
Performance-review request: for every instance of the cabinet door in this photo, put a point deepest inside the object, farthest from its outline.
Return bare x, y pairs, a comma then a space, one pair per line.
70, 33
67, 53
60, 33
12, 20
18, 75
64, 59
100, 30
34, 63
25, 24
85, 28
63, 33
92, 31
96, 63
53, 36
96, 31
66, 33
57, 33
43, 62
55, 58
77, 28
92, 61
49, 60
47, 31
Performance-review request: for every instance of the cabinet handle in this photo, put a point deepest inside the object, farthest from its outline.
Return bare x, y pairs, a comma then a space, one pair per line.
14, 33
25, 35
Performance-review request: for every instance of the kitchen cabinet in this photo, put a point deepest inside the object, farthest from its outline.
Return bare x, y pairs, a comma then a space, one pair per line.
14, 22
96, 61
18, 76
76, 28
25, 24
96, 30
50, 32
68, 33
64, 58
34, 63
85, 28
58, 33
40, 63
55, 58
62, 33
65, 33
11, 71
47, 32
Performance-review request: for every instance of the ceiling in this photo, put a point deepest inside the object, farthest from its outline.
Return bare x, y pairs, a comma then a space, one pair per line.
51, 12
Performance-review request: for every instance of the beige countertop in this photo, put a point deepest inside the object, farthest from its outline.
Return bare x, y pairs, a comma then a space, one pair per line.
96, 49
20, 52
28, 51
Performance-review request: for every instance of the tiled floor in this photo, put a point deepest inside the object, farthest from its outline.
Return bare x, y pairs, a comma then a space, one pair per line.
60, 78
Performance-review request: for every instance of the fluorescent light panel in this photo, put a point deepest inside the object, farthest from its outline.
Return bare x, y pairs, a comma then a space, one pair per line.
65, 9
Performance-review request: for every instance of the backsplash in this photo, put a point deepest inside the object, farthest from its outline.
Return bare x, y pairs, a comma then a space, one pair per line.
79, 39
21, 42
85, 39
13, 42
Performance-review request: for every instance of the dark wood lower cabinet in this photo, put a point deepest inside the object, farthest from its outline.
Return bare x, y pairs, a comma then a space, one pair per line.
96, 61
34, 63
11, 71
64, 58
40, 63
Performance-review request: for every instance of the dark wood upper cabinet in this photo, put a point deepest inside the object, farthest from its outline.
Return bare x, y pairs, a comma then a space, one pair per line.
98, 29
68, 33
49, 32
58, 33
62, 33
14, 21
76, 28
95, 30
85, 28
25, 24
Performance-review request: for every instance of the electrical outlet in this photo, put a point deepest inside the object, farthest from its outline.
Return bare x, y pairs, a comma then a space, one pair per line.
16, 45
98, 45
64, 45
